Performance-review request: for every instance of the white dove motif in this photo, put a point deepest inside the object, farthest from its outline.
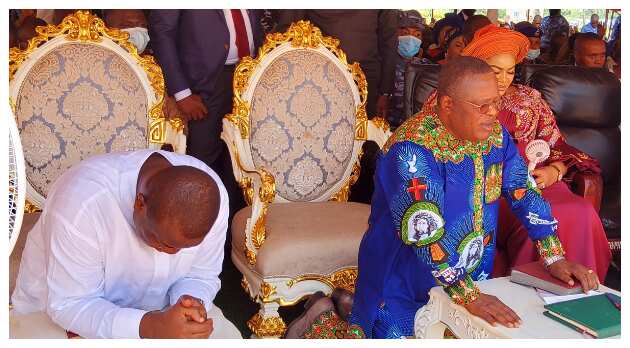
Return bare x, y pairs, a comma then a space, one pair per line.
412, 165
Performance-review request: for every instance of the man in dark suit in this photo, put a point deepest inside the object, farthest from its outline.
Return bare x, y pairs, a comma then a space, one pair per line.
198, 50
369, 37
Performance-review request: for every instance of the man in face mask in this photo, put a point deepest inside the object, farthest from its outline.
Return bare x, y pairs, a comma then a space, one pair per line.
533, 35
132, 21
409, 51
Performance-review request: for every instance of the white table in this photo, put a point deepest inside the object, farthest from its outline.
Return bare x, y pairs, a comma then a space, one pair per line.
440, 312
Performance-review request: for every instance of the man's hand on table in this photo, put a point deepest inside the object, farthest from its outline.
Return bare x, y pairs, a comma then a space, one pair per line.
185, 319
492, 310
567, 270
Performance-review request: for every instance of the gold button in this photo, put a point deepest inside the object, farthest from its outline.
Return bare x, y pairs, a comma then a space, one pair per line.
227, 46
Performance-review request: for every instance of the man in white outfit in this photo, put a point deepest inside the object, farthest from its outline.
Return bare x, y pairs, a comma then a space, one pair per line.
129, 245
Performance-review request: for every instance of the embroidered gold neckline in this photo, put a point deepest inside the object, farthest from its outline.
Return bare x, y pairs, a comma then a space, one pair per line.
426, 129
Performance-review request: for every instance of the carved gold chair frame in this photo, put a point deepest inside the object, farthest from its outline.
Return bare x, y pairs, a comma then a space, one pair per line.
258, 184
84, 27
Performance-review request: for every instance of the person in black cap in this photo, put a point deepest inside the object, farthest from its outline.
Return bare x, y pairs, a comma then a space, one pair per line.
409, 49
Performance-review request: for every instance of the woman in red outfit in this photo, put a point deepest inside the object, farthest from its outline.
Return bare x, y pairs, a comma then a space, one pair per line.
526, 115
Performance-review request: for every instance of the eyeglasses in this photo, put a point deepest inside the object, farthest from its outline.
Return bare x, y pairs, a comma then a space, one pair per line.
483, 108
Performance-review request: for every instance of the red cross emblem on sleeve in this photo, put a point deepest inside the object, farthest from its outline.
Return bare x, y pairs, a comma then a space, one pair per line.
416, 188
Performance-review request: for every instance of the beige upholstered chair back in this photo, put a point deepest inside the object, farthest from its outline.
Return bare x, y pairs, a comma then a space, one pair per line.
301, 111
81, 89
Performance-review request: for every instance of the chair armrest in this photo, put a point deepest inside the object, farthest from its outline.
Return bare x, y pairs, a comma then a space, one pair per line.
378, 131
589, 186
175, 136
252, 180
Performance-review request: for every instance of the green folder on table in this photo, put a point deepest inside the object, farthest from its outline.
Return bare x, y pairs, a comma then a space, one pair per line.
594, 315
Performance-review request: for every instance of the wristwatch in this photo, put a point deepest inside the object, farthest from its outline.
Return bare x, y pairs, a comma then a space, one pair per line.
559, 171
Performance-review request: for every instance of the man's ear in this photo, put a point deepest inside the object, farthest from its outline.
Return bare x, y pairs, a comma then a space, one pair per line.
140, 202
445, 103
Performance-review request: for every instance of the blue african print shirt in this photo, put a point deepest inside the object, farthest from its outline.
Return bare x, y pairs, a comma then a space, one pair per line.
434, 217
551, 25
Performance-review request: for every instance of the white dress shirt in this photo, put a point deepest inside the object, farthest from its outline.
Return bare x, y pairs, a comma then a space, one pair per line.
84, 265
232, 57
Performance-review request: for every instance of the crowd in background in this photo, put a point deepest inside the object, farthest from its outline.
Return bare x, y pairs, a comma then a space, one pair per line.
384, 42
406, 33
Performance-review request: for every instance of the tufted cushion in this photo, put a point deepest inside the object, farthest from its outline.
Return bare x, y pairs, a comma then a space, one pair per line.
306, 237
302, 124
78, 100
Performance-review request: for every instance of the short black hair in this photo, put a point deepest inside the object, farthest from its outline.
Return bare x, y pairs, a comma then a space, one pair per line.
186, 194
554, 12
457, 71
581, 38
473, 24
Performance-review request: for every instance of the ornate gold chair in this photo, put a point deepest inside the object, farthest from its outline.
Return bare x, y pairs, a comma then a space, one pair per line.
80, 89
295, 137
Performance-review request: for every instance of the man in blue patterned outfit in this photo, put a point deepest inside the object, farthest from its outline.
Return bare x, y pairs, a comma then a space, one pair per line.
435, 205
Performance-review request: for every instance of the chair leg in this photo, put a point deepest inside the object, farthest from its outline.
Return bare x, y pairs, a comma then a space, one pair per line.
267, 323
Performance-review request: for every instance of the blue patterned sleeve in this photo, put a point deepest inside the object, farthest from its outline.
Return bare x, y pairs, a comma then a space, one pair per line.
414, 191
525, 199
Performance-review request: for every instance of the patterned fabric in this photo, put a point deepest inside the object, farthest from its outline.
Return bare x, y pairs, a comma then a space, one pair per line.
302, 120
77, 101
390, 326
330, 325
526, 116
464, 292
491, 40
551, 25
549, 247
430, 132
431, 221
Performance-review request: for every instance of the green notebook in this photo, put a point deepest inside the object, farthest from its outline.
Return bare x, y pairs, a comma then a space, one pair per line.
595, 315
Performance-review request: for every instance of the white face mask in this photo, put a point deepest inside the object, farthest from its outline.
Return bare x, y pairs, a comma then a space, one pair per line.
139, 37
533, 54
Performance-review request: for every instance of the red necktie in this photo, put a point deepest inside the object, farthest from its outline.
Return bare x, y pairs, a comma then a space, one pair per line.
241, 33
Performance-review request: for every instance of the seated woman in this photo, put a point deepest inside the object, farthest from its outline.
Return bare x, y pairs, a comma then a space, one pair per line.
442, 29
526, 115
455, 43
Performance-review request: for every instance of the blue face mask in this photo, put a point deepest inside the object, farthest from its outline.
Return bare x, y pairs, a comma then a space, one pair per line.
533, 54
408, 46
